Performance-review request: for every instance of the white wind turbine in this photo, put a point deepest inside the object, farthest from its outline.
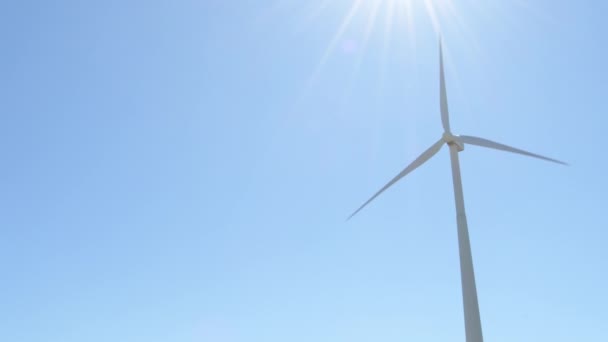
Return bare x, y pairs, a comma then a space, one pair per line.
456, 144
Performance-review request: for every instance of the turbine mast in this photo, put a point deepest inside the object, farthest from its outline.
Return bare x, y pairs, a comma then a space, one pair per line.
472, 320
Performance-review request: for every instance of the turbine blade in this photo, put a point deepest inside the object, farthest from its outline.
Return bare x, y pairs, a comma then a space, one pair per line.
415, 164
491, 144
445, 116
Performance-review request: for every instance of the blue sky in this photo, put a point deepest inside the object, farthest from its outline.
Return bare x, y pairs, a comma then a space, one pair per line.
182, 171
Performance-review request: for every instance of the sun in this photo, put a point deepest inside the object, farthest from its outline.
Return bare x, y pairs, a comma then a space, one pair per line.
382, 15
405, 9
361, 22
391, 34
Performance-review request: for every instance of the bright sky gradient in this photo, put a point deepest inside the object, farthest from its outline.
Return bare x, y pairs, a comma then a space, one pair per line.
182, 170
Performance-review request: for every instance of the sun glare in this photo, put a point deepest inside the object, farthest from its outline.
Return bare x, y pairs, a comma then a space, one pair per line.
388, 34
361, 23
380, 15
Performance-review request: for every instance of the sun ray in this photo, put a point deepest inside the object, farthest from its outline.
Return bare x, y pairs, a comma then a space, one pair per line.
371, 22
397, 33
369, 27
388, 24
409, 17
386, 41
336, 38
463, 27
432, 12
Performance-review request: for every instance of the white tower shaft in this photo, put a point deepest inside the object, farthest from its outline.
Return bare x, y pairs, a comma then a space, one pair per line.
472, 319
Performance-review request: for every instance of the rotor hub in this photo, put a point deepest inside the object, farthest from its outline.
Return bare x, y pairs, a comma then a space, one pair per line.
450, 139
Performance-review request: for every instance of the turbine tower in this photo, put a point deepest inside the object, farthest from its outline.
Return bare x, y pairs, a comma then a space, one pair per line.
456, 144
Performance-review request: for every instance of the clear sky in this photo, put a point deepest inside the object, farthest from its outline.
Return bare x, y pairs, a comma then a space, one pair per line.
182, 170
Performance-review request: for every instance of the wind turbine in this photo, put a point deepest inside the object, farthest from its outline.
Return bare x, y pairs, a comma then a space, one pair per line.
456, 144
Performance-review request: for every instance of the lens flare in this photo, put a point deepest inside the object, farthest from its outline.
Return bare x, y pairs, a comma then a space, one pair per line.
395, 11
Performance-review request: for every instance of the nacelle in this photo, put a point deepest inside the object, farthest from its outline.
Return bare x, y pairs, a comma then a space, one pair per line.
452, 140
